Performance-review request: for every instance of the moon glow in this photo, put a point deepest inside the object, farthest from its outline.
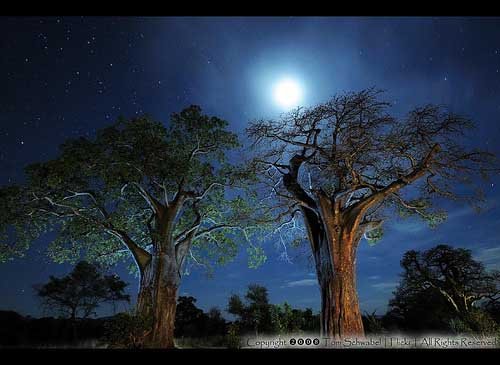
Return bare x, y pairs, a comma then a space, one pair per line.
287, 93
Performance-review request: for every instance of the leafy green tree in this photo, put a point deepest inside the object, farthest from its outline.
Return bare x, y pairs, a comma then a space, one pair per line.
345, 166
255, 313
279, 325
286, 319
143, 191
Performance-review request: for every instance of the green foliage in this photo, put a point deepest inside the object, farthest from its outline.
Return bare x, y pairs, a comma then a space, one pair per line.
286, 320
374, 235
16, 232
256, 256
233, 339
95, 192
244, 227
423, 208
476, 321
255, 313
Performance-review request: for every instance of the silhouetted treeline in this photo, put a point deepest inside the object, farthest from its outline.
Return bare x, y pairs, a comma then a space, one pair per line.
255, 315
442, 290
16, 330
191, 321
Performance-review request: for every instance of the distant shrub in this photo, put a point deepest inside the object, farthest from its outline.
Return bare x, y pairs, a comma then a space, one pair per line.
127, 330
475, 322
233, 339
372, 324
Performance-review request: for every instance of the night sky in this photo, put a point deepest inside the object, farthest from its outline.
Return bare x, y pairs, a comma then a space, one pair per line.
66, 77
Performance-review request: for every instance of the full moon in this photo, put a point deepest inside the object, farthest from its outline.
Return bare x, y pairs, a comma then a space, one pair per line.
287, 93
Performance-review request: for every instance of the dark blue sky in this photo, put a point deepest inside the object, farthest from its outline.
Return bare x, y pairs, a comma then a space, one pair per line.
66, 77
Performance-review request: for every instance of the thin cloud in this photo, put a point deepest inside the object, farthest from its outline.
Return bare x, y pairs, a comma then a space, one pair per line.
489, 256
385, 285
303, 282
408, 226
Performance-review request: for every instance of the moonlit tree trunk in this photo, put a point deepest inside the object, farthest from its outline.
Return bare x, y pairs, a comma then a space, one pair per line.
160, 278
157, 298
334, 252
339, 299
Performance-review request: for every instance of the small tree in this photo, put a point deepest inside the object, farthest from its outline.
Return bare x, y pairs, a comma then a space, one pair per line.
255, 314
216, 324
81, 292
189, 319
285, 319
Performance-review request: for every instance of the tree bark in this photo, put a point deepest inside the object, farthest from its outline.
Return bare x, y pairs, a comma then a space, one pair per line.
334, 243
340, 313
157, 299
145, 296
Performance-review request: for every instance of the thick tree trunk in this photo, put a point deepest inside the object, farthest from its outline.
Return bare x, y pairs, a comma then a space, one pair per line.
157, 299
334, 251
340, 315
164, 316
145, 296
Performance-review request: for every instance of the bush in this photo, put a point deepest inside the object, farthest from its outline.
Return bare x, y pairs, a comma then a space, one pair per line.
372, 324
474, 322
128, 330
233, 340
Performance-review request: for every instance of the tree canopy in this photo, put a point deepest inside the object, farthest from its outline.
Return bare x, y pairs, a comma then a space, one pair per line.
344, 166
352, 152
103, 196
255, 314
80, 293
449, 272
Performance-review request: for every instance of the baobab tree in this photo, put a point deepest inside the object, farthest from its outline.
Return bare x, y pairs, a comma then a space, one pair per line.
140, 190
451, 273
344, 164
